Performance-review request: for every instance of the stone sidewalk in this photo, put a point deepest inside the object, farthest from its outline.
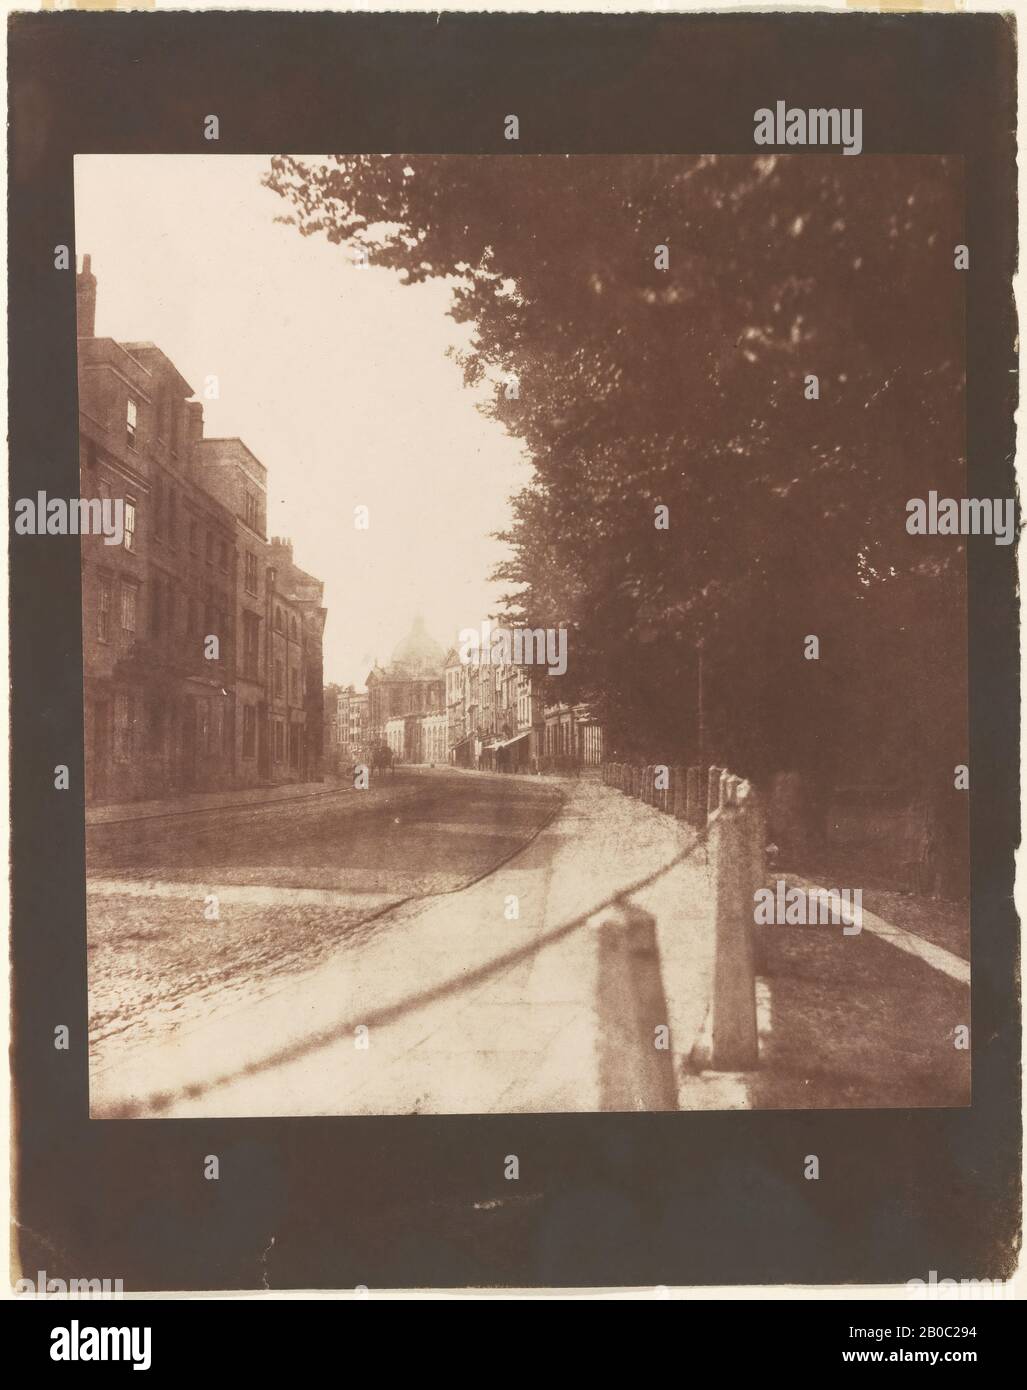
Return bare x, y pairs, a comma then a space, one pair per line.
466, 1008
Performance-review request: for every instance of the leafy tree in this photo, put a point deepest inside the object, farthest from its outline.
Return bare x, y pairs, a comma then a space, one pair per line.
685, 387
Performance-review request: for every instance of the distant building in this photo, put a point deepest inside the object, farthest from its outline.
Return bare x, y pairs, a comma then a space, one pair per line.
395, 735
332, 749
412, 683
352, 719
432, 739
497, 719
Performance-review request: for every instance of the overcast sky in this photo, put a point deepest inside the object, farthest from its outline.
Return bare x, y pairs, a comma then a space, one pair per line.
336, 377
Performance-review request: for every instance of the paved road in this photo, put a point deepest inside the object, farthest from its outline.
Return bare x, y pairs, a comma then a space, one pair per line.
536, 987
189, 912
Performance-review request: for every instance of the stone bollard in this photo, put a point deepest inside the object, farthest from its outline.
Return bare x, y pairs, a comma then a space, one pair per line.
692, 796
735, 857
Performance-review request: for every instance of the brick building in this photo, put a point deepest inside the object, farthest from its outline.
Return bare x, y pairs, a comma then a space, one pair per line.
175, 629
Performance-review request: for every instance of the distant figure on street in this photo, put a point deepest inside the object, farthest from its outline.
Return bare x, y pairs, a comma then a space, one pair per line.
382, 759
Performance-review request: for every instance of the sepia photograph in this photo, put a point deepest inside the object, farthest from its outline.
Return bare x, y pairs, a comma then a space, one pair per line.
524, 630
515, 670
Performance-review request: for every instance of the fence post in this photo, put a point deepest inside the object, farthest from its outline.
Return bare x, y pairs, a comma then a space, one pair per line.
736, 856
712, 790
677, 784
692, 796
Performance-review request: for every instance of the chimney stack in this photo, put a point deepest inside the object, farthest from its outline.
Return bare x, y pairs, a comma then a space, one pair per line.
85, 299
195, 416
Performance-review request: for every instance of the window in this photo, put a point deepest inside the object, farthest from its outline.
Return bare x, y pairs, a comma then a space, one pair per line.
294, 630
279, 741
131, 423
250, 511
279, 678
279, 621
158, 509
155, 608
103, 614
251, 574
294, 685
249, 731
130, 524
128, 607
294, 745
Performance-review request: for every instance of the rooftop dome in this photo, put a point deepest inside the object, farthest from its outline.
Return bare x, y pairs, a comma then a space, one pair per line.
417, 654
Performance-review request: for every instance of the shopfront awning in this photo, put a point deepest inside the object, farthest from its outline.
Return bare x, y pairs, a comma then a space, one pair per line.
507, 742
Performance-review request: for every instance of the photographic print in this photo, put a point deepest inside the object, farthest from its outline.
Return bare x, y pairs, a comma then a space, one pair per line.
524, 643
514, 647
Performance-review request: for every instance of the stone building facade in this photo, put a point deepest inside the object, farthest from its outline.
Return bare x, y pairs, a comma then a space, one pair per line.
178, 674
411, 684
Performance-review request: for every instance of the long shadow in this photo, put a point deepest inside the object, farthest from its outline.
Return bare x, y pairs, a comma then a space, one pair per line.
163, 1100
